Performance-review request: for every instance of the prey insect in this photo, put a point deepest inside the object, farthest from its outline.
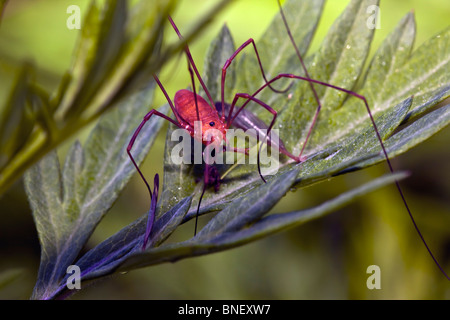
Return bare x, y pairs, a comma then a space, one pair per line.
188, 107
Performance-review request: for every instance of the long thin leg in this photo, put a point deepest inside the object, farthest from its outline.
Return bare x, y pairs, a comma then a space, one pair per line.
210, 177
397, 184
151, 213
292, 76
319, 106
265, 106
249, 98
136, 133
194, 67
166, 95
193, 89
316, 96
228, 63
224, 69
198, 207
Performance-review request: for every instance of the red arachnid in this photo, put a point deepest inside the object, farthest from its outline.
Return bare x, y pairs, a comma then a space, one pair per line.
188, 107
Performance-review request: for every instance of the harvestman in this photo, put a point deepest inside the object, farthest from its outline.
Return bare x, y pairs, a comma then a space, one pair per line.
189, 107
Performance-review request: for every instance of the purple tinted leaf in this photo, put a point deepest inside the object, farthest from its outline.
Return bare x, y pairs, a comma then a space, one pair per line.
281, 221
108, 255
247, 209
266, 226
68, 205
152, 212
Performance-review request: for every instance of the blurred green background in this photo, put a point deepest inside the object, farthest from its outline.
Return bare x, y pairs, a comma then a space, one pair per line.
325, 259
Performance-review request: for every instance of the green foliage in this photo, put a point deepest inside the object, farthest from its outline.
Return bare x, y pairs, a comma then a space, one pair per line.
69, 203
118, 50
401, 88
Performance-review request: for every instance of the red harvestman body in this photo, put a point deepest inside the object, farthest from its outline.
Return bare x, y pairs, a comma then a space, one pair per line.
188, 107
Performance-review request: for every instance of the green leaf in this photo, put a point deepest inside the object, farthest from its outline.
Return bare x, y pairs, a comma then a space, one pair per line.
249, 208
220, 49
134, 53
264, 227
84, 58
343, 140
281, 221
44, 189
341, 58
105, 257
275, 47
68, 205
412, 135
305, 16
119, 49
277, 54
342, 137
424, 76
179, 178
393, 53
391, 67
16, 118
356, 148
339, 61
